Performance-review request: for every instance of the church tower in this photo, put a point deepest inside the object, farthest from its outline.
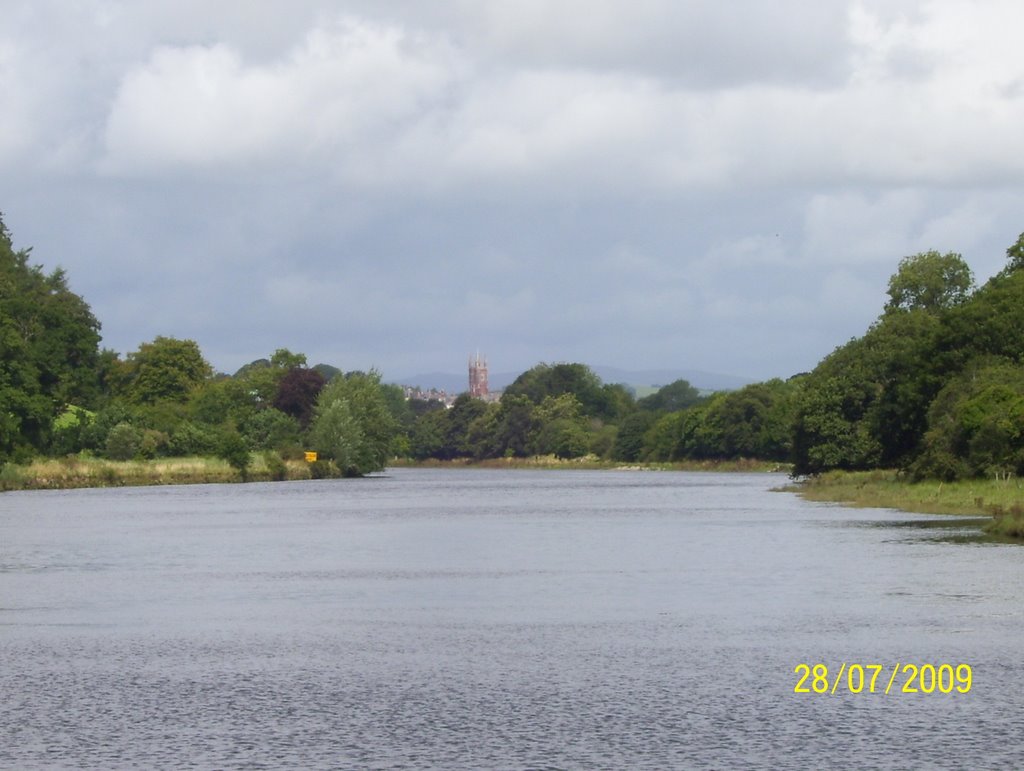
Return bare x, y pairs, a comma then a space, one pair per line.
478, 377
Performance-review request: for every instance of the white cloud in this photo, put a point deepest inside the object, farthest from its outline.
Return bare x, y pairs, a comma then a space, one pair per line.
722, 179
205, 106
851, 228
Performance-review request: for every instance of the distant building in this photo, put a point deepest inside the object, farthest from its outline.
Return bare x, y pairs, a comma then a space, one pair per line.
478, 377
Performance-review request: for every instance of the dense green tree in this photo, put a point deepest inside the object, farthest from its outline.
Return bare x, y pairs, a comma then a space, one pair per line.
561, 428
123, 442
189, 438
596, 399
677, 395
482, 434
329, 372
352, 424
271, 429
617, 401
262, 376
929, 281
429, 435
464, 411
48, 350
285, 361
513, 427
990, 324
661, 440
1015, 255
399, 407
976, 423
235, 450
630, 444
338, 435
832, 423
753, 422
903, 348
165, 369
227, 400
866, 404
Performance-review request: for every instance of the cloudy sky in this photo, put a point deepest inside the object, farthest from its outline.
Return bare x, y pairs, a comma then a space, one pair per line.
719, 186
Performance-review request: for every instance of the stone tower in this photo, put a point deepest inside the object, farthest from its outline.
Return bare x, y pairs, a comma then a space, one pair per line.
478, 377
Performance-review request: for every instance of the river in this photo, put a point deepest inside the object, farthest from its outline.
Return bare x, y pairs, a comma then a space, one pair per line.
500, 619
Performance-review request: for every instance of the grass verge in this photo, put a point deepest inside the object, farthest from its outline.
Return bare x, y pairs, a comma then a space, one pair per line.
1000, 499
75, 471
593, 462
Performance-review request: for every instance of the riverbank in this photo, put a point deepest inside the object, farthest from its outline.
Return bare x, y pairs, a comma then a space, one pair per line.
1000, 499
75, 471
593, 462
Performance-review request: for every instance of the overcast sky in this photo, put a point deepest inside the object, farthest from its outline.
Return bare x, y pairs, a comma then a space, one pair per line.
720, 186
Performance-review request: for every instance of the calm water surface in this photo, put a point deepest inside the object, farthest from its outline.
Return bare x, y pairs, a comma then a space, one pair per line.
494, 619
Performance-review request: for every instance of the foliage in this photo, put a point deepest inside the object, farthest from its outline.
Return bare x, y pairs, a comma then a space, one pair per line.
277, 469
261, 377
976, 424
71, 431
1015, 255
234, 449
929, 281
338, 435
191, 438
630, 444
165, 369
561, 429
123, 442
296, 393
215, 402
675, 396
935, 385
352, 424
831, 427
596, 399
428, 436
271, 429
48, 351
754, 422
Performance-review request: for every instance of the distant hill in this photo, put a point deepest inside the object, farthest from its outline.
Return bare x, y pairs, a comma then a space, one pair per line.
641, 380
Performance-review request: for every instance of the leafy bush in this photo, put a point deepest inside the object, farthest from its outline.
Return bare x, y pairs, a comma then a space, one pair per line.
234, 449
275, 466
123, 442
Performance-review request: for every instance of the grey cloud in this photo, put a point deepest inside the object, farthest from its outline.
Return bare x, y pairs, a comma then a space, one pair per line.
707, 185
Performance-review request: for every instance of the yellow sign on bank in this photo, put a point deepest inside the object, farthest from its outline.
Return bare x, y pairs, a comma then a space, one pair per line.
310, 457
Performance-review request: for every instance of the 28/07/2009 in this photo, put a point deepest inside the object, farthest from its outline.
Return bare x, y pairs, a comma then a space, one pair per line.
864, 678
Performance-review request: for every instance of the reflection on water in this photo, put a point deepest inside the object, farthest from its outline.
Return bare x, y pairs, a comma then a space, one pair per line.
484, 619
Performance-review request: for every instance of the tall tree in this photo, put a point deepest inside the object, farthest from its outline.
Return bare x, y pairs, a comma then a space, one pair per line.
353, 425
1015, 255
597, 400
48, 350
930, 281
165, 369
297, 392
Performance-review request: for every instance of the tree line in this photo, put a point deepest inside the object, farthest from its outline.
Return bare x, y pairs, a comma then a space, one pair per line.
935, 386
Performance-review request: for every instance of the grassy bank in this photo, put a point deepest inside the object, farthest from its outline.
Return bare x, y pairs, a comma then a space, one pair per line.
76, 471
593, 462
73, 471
1001, 499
